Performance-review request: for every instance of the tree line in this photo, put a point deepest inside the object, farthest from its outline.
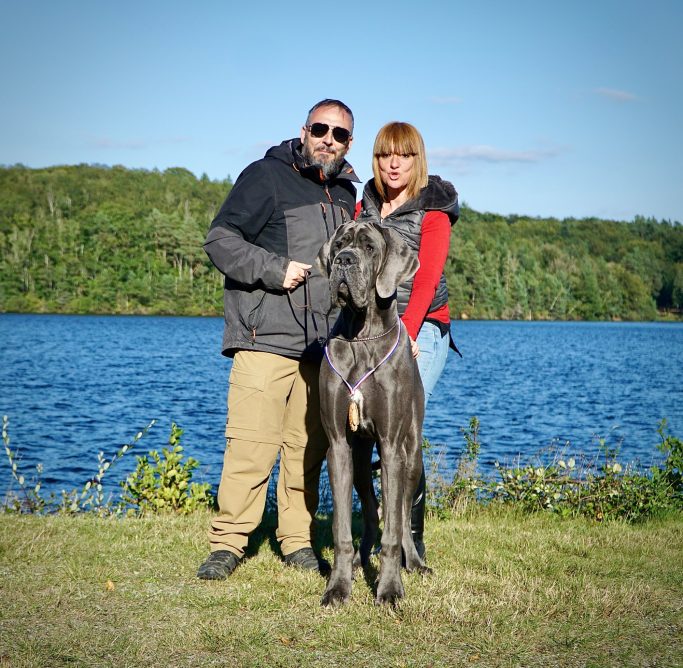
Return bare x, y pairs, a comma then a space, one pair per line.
97, 239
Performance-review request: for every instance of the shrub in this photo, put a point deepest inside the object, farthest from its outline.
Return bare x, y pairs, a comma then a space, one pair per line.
466, 485
30, 500
89, 498
612, 491
164, 484
161, 485
558, 484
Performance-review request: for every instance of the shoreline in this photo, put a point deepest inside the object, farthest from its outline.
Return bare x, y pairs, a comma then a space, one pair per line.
667, 317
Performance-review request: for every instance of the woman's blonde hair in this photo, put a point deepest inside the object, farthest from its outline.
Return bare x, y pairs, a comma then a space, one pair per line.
401, 139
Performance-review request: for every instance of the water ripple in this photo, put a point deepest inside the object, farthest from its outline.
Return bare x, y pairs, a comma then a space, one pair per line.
77, 385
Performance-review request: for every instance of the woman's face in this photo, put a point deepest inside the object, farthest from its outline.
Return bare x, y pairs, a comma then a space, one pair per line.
395, 170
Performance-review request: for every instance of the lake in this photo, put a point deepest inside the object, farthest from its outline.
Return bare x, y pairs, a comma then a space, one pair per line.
73, 386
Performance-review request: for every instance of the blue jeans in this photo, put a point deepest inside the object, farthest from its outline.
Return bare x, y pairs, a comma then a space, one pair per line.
432, 358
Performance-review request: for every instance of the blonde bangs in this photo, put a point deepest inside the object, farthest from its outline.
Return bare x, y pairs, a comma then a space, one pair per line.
399, 138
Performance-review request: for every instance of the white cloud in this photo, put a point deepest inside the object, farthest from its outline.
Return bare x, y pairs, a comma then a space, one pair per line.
483, 153
107, 143
614, 94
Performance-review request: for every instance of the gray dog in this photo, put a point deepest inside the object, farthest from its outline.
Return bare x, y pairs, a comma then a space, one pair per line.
370, 392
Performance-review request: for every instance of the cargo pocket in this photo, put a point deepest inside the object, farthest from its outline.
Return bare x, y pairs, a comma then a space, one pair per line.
245, 400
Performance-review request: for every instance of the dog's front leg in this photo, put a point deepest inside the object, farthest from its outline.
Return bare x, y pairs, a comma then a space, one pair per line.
390, 585
340, 469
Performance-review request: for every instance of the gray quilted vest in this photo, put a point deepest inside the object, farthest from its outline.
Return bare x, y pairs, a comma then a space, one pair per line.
437, 195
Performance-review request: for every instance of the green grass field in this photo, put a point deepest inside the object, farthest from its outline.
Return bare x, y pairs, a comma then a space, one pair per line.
507, 590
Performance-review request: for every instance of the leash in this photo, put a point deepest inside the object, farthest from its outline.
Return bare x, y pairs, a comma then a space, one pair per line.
354, 393
307, 305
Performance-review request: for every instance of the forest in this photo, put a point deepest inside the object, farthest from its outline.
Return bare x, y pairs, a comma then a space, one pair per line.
113, 240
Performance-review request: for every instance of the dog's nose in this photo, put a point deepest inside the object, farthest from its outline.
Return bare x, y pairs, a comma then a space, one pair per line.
346, 259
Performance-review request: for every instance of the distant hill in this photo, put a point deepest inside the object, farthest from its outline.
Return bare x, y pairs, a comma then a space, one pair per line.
95, 239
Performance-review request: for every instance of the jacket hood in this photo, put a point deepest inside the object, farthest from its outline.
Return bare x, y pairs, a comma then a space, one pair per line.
437, 195
289, 151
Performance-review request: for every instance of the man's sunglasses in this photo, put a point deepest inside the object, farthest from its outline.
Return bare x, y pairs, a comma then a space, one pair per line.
318, 130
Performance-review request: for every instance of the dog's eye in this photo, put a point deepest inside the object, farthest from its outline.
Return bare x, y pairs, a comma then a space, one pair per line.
369, 248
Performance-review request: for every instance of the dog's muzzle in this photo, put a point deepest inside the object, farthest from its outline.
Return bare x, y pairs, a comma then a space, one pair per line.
350, 279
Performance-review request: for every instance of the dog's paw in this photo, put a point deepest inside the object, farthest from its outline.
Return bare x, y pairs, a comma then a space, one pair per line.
336, 595
390, 594
423, 570
419, 567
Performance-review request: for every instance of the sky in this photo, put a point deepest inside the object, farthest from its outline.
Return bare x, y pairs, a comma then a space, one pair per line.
533, 107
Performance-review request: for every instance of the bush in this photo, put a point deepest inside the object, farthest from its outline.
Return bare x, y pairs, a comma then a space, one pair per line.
165, 483
612, 492
608, 490
467, 484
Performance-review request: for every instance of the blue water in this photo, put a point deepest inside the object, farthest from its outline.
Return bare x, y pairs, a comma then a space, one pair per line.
76, 385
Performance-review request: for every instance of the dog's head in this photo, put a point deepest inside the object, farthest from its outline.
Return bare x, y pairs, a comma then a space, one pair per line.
362, 259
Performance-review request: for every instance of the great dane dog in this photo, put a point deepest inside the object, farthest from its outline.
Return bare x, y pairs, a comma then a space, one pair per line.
370, 392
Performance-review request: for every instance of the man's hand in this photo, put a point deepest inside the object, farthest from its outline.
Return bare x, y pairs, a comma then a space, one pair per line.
296, 274
414, 348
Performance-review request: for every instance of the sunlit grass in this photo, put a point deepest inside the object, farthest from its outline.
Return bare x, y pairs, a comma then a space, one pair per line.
507, 590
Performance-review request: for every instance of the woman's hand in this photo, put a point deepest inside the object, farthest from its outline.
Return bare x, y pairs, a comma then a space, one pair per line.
414, 348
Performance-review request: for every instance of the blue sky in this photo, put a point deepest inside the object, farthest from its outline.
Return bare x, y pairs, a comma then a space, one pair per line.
540, 108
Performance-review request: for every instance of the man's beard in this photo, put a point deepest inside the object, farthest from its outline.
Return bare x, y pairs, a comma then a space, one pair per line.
329, 168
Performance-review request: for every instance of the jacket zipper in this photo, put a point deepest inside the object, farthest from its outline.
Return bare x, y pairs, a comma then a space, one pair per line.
334, 215
327, 227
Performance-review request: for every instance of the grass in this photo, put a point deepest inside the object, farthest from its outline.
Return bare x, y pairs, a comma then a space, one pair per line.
507, 590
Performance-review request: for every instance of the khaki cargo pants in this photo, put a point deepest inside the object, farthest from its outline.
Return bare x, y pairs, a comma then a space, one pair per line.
273, 408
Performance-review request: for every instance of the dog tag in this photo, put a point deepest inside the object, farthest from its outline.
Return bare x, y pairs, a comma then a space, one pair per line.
354, 410
354, 416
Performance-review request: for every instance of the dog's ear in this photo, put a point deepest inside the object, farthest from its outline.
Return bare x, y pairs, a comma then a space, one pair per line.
398, 264
322, 261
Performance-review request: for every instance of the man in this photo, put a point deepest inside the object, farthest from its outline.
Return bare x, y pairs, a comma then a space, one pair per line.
264, 239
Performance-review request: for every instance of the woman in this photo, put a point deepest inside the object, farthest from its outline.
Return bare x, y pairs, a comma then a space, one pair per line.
421, 208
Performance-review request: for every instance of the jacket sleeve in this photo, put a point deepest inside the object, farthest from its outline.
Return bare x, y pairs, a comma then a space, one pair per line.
231, 241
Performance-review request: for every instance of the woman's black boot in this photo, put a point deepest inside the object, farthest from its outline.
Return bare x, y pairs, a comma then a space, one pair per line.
417, 515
